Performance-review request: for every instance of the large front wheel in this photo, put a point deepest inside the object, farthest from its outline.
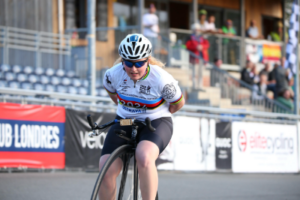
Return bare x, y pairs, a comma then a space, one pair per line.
125, 188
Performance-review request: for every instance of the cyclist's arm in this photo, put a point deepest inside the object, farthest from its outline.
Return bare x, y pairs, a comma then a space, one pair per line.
176, 107
114, 98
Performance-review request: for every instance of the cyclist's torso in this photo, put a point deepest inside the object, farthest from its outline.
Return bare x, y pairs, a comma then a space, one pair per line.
148, 97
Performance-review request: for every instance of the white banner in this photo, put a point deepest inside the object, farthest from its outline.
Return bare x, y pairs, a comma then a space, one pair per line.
299, 144
258, 147
192, 147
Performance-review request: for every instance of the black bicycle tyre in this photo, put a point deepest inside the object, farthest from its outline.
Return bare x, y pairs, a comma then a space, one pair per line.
124, 149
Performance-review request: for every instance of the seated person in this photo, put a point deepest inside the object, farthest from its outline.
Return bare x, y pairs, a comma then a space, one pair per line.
246, 73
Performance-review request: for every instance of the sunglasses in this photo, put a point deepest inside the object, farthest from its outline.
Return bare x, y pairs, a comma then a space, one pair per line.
136, 64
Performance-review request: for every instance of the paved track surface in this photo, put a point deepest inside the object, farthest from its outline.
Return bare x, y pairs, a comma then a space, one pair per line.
172, 186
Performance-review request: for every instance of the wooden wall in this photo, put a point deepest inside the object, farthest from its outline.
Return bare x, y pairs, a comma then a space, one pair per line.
255, 9
105, 50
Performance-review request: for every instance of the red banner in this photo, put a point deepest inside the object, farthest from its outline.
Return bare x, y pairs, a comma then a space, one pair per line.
32, 136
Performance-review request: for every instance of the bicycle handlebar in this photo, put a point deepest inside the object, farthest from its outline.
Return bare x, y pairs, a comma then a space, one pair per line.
94, 126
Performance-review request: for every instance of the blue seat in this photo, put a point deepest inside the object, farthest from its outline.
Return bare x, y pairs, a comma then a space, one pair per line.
44, 79
33, 78
28, 70
49, 72
70, 74
82, 91
39, 71
26, 86
9, 76
50, 88
60, 73
5, 68
76, 82
55, 80
66, 81
22, 77
85, 83
61, 89
13, 84
3, 83
102, 92
72, 90
39, 86
17, 69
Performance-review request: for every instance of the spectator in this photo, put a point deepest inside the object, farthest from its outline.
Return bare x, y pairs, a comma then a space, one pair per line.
260, 89
202, 22
228, 29
246, 73
215, 73
252, 31
278, 35
197, 44
284, 97
151, 28
271, 77
210, 26
199, 47
254, 74
281, 79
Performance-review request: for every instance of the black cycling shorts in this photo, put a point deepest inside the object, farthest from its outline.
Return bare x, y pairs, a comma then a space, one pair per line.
161, 137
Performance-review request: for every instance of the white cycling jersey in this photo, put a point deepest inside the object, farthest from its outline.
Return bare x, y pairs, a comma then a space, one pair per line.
148, 97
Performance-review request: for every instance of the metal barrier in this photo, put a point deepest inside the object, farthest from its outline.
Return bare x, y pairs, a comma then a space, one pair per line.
104, 103
241, 93
34, 48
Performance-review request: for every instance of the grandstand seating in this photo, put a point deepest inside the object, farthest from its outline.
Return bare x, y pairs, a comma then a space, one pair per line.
49, 79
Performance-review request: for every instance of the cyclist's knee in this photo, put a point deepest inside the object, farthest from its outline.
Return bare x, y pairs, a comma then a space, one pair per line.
113, 170
146, 154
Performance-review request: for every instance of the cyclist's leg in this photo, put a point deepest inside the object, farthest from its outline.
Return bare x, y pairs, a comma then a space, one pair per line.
108, 187
150, 146
146, 154
112, 142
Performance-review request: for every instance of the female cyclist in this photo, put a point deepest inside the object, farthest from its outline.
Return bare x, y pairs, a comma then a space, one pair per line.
141, 88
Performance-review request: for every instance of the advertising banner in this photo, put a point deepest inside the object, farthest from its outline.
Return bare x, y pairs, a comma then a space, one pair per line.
258, 147
81, 150
223, 145
262, 51
192, 146
32, 136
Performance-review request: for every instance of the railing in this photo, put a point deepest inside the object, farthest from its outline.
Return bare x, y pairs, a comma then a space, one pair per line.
241, 93
104, 103
38, 49
227, 48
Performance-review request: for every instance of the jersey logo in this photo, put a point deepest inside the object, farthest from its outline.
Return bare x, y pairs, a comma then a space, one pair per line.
125, 81
169, 91
134, 38
124, 88
108, 78
144, 89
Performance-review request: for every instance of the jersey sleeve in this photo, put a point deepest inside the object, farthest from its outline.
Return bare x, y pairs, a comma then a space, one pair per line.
108, 82
170, 91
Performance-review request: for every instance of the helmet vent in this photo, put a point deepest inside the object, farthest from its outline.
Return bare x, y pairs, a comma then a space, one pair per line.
130, 50
147, 47
133, 45
137, 50
143, 48
127, 39
140, 39
125, 49
124, 55
143, 55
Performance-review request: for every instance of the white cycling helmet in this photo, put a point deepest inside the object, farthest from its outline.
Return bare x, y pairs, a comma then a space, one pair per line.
134, 47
